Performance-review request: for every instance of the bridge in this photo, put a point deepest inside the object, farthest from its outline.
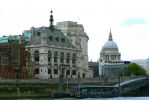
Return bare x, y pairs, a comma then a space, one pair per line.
133, 84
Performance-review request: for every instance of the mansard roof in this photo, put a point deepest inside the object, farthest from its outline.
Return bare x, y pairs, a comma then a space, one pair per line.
51, 37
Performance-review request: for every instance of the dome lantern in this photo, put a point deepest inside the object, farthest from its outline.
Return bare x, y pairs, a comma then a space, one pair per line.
110, 36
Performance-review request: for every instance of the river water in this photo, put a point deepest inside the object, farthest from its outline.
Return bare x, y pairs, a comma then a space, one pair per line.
116, 98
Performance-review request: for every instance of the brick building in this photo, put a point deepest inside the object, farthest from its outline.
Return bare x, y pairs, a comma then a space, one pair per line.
12, 57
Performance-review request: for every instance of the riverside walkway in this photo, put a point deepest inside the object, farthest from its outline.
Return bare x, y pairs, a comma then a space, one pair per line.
84, 87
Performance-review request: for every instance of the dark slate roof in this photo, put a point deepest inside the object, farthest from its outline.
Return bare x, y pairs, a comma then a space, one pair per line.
52, 37
93, 63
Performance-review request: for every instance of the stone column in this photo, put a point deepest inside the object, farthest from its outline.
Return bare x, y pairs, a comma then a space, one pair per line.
52, 72
59, 72
64, 59
58, 60
64, 72
110, 57
32, 58
116, 57
70, 73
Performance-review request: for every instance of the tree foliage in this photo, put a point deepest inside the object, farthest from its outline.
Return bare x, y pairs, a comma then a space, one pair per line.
135, 69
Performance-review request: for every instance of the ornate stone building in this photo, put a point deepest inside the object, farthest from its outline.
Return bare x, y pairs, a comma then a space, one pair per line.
57, 55
110, 63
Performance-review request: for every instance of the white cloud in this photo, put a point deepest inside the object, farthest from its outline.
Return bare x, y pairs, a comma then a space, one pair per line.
97, 17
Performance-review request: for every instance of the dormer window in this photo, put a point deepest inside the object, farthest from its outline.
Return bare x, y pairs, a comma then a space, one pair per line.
63, 39
36, 56
57, 39
51, 38
38, 33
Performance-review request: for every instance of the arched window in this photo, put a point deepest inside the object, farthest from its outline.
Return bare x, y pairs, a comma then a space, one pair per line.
62, 57
74, 58
67, 73
36, 56
55, 57
68, 58
49, 56
36, 71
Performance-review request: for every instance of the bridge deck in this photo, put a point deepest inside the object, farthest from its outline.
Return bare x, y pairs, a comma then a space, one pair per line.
130, 81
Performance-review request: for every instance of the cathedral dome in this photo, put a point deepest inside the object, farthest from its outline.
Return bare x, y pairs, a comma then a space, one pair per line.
110, 45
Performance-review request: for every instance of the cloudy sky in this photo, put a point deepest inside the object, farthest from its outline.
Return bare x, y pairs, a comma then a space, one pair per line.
128, 19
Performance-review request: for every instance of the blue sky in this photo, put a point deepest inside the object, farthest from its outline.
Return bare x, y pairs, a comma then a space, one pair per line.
134, 21
128, 19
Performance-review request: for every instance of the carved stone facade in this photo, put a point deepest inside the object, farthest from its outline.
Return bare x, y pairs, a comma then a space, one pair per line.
78, 37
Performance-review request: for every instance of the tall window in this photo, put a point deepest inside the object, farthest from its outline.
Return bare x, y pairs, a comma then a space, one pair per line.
49, 71
55, 71
67, 73
62, 57
68, 58
74, 58
55, 57
36, 56
37, 71
73, 72
112, 57
49, 56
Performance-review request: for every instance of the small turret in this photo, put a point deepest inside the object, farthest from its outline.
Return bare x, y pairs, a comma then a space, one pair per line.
51, 22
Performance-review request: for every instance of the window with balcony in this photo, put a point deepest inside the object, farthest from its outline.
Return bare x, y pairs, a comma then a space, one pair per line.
49, 57
55, 57
74, 58
36, 56
62, 57
37, 71
68, 58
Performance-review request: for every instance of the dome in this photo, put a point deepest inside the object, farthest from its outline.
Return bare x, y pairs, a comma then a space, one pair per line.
110, 45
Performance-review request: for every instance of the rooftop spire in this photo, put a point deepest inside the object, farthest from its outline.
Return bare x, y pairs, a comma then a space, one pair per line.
110, 36
51, 21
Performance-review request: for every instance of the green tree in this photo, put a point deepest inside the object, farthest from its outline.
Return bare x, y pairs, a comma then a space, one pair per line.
135, 69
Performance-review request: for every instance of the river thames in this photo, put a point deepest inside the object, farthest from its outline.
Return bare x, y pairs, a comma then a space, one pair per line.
116, 98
